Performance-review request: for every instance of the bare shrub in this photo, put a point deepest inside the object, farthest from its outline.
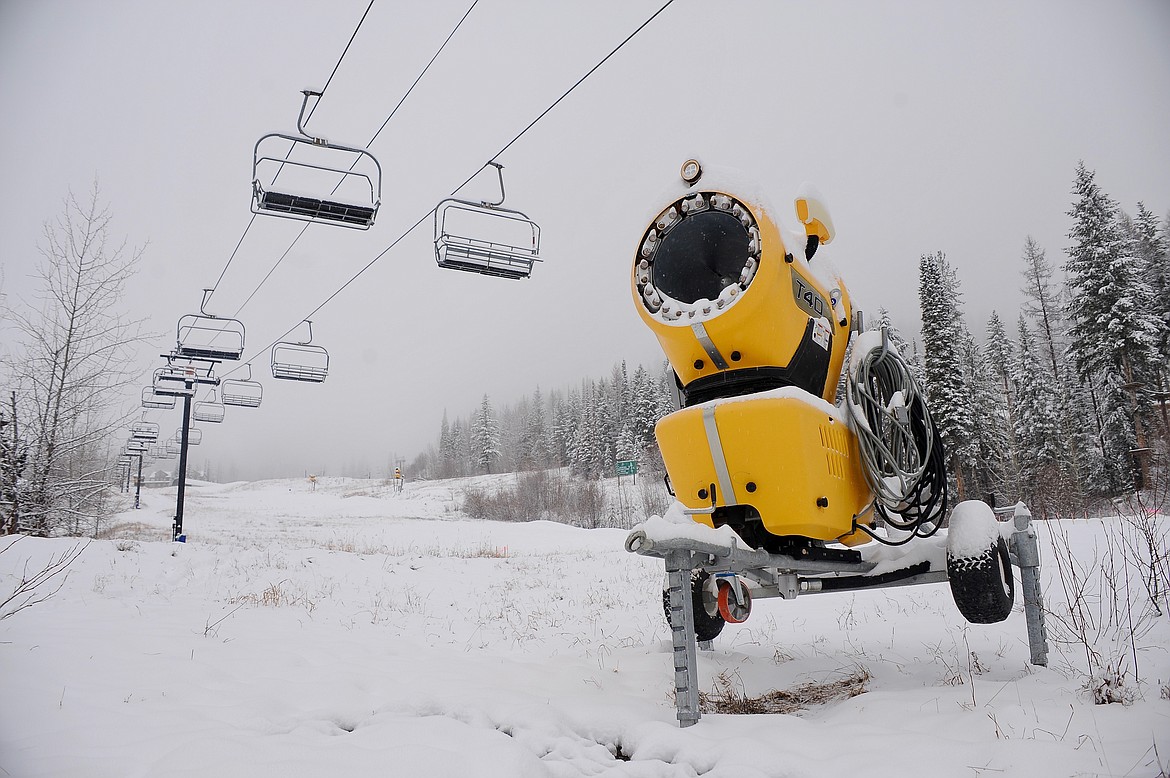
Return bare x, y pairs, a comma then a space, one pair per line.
1106, 612
133, 530
274, 596
38, 585
729, 696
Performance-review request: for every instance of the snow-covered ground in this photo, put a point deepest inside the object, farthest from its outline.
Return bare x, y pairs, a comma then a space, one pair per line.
350, 631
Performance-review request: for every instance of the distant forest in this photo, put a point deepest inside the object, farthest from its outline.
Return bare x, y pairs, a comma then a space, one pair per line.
1063, 406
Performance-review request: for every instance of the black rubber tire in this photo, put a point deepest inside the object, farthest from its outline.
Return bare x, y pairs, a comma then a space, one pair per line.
983, 586
708, 622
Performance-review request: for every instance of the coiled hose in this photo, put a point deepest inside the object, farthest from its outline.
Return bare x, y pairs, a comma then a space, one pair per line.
900, 446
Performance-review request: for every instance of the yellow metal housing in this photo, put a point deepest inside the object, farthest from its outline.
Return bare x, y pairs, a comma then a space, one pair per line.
764, 325
787, 456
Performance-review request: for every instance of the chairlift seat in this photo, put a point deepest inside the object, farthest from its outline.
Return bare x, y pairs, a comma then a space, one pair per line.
485, 257
291, 372
241, 393
315, 209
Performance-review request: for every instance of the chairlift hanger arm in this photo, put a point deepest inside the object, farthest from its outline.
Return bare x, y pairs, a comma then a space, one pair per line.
499, 172
301, 117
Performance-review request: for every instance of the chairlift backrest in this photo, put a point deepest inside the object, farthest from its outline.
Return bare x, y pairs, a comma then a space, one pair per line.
307, 188
154, 401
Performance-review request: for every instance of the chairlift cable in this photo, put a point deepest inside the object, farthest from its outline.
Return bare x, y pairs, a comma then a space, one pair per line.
345, 51
423, 73
370, 143
431, 212
582, 79
240, 242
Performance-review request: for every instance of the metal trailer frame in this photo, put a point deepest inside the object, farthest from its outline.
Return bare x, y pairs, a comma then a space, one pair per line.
778, 575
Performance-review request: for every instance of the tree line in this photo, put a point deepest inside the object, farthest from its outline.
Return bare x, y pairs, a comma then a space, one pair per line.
1067, 405
1064, 407
585, 428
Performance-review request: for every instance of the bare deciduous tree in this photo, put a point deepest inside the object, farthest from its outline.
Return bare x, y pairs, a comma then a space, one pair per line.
69, 366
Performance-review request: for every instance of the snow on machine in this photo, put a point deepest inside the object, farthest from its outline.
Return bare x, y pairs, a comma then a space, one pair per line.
780, 492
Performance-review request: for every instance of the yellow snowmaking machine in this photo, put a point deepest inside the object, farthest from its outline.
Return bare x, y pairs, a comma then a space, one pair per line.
787, 456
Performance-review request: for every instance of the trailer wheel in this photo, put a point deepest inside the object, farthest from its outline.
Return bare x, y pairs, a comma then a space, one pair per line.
983, 586
708, 622
729, 607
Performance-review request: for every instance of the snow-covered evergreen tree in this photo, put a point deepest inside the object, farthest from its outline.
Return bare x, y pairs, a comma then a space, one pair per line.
1152, 247
534, 443
1110, 302
1037, 428
985, 455
485, 437
943, 334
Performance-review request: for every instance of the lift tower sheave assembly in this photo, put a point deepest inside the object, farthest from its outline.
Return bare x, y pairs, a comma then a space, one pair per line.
777, 494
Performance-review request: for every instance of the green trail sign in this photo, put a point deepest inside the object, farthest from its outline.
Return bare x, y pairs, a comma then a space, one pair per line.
627, 467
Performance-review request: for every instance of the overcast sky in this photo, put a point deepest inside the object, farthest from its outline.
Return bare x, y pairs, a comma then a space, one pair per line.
928, 126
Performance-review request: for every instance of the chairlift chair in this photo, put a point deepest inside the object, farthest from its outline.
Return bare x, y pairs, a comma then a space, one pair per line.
206, 336
354, 199
194, 436
144, 430
173, 447
208, 410
483, 237
154, 401
241, 392
175, 381
300, 361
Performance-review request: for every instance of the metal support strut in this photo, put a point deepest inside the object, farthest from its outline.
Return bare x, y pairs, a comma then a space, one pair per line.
1024, 550
682, 620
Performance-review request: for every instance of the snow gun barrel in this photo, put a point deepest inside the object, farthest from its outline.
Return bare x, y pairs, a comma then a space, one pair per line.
733, 303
